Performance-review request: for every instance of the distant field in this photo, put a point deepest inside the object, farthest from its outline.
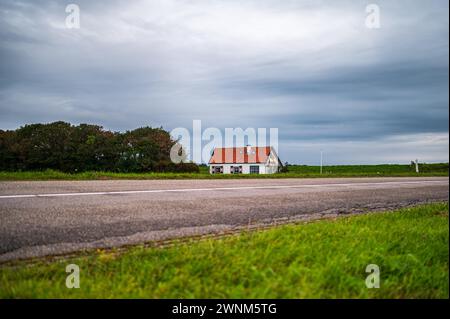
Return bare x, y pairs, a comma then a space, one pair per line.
372, 170
295, 171
324, 259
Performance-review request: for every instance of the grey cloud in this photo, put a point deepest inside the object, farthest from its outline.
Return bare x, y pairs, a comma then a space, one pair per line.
309, 68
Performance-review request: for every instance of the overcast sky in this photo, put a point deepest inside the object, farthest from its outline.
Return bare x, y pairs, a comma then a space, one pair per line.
312, 69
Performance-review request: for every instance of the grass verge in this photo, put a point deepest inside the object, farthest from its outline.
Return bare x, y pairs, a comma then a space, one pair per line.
325, 259
295, 171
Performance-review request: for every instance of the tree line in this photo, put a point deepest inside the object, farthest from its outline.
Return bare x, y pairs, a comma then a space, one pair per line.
76, 148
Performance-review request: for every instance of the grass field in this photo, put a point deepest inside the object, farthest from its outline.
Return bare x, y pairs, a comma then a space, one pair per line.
324, 259
295, 171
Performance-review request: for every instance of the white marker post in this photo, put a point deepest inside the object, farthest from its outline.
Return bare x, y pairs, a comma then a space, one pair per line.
321, 161
417, 166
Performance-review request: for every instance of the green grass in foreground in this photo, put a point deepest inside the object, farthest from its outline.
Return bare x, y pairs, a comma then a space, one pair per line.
295, 171
325, 259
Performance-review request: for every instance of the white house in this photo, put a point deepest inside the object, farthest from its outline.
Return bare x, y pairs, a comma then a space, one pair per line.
244, 160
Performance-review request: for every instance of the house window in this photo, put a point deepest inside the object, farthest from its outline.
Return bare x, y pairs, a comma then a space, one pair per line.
236, 169
217, 170
254, 169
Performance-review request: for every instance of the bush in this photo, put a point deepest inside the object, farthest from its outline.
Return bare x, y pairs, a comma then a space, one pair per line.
284, 169
170, 167
69, 148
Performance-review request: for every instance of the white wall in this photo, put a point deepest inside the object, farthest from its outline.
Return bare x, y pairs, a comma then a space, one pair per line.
271, 169
272, 164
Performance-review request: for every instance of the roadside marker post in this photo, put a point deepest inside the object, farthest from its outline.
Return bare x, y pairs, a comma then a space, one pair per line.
321, 162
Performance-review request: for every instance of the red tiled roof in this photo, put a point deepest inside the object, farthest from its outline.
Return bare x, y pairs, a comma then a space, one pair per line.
239, 155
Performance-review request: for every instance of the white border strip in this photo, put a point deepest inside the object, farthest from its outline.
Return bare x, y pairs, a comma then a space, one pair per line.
424, 183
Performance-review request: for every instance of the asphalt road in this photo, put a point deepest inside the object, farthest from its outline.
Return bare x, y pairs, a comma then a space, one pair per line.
58, 217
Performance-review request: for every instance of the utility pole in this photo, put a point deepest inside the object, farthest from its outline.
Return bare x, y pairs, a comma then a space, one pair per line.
321, 161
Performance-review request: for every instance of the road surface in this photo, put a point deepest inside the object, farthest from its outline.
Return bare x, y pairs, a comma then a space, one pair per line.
59, 217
